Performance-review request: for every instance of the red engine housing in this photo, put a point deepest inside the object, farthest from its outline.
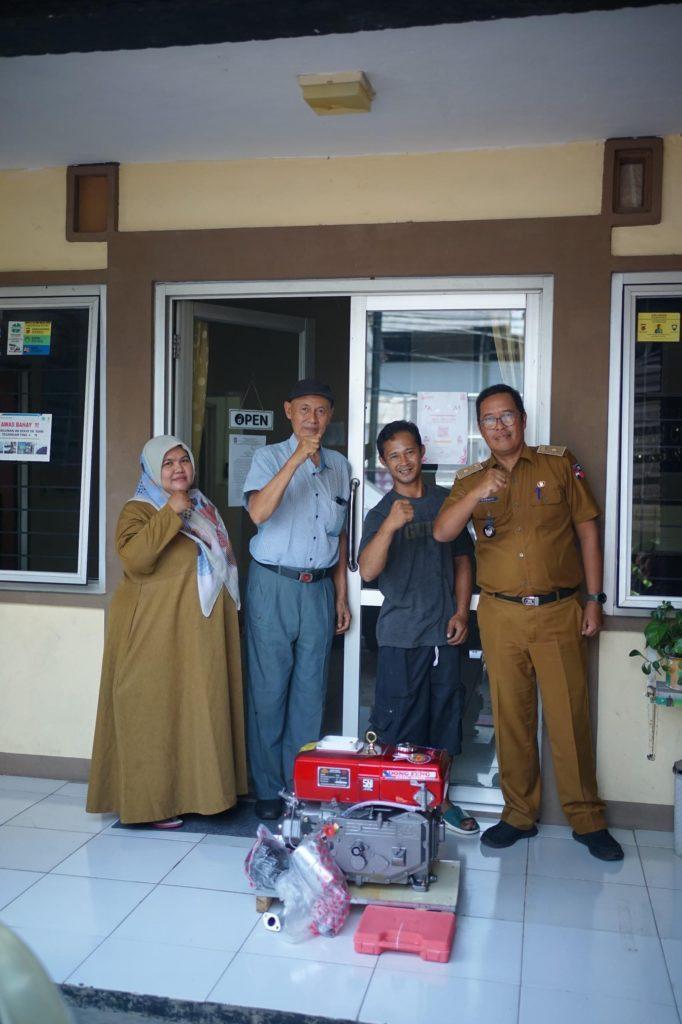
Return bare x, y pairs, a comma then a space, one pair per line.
391, 775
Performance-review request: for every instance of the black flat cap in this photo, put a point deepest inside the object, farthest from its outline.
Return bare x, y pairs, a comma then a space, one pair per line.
308, 386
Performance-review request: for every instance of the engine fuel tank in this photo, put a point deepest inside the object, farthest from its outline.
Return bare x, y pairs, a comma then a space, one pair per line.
394, 774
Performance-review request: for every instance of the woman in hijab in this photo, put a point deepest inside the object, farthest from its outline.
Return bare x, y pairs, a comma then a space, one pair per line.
169, 737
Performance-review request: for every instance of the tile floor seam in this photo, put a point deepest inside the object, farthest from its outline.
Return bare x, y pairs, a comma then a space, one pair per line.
6, 906
575, 878
298, 959
110, 934
126, 833
240, 948
366, 992
523, 934
193, 847
8, 821
69, 854
221, 976
358, 1016
52, 828
203, 888
660, 939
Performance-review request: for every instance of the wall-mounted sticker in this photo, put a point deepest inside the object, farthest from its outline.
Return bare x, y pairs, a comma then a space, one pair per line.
25, 436
252, 419
443, 420
29, 337
658, 327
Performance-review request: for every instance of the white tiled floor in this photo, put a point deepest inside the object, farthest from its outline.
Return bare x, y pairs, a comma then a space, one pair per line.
544, 931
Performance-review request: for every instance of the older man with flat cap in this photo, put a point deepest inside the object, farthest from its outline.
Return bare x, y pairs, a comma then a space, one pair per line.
297, 494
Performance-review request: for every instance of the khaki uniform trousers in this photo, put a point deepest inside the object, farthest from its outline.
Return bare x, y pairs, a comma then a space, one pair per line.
521, 645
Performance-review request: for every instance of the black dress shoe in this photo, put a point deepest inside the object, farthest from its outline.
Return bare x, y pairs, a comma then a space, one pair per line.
269, 810
601, 844
503, 834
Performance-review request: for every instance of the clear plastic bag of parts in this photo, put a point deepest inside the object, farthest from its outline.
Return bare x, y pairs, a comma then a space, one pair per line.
307, 880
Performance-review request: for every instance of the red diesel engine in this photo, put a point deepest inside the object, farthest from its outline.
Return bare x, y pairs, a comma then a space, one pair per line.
379, 807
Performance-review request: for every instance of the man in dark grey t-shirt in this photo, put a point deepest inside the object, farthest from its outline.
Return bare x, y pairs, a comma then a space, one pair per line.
425, 615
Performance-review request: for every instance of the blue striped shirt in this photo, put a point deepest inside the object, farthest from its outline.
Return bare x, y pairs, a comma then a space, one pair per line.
303, 531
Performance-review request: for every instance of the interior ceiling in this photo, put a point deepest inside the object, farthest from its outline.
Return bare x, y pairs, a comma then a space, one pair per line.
457, 84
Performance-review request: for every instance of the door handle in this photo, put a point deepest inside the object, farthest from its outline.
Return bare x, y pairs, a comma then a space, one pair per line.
352, 557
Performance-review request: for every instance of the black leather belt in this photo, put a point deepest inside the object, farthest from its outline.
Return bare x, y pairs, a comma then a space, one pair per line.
302, 575
533, 600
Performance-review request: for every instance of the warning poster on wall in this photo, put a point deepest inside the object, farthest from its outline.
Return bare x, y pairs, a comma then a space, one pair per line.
658, 327
25, 437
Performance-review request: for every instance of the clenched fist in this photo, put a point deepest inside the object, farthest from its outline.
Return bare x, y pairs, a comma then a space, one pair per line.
307, 448
180, 502
402, 512
494, 480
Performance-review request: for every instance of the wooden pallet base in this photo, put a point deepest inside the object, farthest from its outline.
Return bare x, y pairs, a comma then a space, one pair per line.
442, 894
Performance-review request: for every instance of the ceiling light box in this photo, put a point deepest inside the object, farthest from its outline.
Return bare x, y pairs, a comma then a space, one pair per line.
344, 92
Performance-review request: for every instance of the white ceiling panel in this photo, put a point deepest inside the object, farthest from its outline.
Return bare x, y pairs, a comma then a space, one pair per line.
520, 82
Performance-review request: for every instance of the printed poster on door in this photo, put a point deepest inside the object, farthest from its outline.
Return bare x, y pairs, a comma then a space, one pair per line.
242, 448
25, 437
443, 421
29, 337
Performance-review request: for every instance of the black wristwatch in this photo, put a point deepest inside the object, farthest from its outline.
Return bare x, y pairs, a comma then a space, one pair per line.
599, 598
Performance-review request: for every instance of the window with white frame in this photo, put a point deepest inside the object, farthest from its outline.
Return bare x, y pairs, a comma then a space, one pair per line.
49, 436
646, 440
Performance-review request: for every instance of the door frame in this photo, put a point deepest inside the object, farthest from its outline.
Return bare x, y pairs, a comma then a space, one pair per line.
364, 293
166, 293
183, 313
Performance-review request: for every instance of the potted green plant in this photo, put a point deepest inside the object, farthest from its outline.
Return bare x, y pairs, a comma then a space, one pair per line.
661, 657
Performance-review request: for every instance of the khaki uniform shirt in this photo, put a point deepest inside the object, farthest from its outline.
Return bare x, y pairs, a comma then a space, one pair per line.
533, 550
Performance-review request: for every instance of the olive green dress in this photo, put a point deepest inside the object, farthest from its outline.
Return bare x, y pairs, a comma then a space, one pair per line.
169, 737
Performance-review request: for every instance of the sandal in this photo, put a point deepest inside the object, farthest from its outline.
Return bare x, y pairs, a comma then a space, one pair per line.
456, 820
167, 823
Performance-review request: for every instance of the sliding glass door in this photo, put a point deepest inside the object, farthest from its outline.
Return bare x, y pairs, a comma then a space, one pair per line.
425, 358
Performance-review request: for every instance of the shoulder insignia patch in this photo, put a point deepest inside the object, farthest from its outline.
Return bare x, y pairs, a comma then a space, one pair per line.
552, 449
468, 470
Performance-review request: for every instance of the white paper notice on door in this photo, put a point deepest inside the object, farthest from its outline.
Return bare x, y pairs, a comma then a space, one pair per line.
25, 436
240, 454
443, 421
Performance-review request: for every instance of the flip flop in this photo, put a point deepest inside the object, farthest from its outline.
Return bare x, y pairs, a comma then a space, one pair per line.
168, 823
455, 819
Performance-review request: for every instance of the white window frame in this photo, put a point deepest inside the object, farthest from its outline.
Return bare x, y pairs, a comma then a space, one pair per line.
93, 298
539, 288
625, 290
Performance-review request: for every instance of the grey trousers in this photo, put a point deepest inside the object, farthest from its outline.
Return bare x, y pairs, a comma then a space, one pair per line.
289, 632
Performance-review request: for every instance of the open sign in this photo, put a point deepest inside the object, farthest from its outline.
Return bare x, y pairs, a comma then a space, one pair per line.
252, 419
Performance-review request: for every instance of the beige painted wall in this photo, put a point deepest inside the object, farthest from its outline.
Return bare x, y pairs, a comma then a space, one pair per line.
664, 238
488, 184
33, 224
49, 678
623, 729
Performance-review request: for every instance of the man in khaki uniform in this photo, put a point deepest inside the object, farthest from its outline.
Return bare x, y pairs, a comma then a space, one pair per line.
528, 507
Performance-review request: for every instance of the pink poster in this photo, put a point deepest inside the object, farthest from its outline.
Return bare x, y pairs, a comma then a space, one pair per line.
443, 420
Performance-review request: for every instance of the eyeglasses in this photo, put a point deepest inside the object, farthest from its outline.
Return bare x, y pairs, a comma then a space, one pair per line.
507, 419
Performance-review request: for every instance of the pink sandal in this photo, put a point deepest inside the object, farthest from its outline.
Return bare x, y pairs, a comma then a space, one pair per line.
168, 823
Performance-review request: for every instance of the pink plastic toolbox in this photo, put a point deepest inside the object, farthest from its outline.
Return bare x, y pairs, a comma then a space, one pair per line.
427, 932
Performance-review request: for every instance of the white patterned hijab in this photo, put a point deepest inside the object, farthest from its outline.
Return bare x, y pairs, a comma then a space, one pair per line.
216, 565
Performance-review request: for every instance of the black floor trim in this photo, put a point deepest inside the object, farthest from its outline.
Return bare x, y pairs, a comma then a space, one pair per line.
100, 1006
